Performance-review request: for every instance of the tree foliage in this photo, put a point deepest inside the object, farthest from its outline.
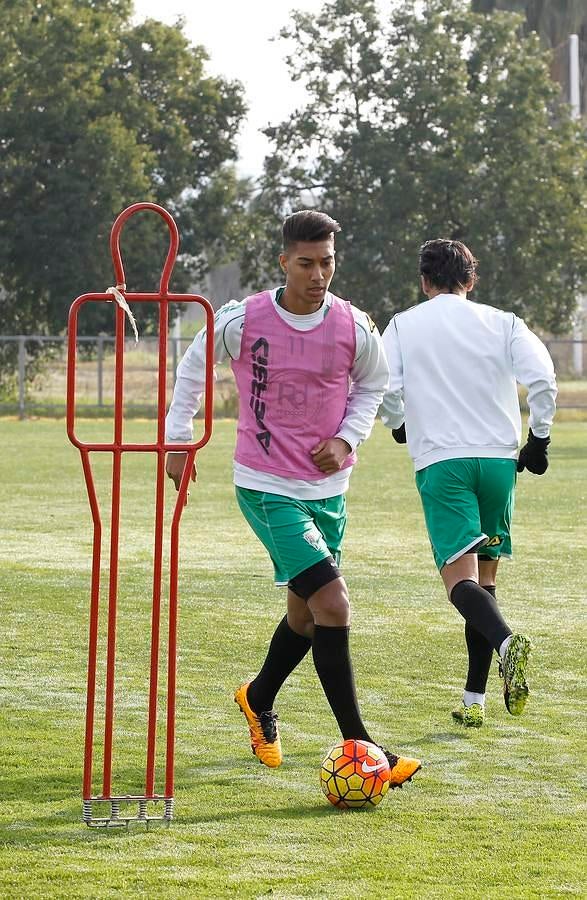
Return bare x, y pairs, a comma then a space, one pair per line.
553, 21
437, 122
96, 113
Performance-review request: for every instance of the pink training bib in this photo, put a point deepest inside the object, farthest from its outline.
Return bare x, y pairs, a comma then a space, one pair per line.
293, 387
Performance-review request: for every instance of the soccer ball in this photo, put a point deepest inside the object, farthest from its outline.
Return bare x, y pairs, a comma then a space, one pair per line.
355, 774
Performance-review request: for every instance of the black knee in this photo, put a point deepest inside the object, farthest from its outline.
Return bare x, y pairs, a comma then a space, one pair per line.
458, 589
311, 580
480, 610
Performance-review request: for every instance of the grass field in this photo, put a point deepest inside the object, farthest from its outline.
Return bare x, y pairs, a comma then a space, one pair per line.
498, 813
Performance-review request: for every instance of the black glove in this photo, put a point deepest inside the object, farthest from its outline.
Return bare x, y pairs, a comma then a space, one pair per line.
534, 454
399, 434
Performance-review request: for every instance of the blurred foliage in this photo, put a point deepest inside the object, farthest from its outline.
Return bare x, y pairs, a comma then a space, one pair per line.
96, 113
553, 21
434, 122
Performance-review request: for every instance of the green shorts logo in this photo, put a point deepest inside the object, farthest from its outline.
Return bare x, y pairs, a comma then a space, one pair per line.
313, 538
494, 541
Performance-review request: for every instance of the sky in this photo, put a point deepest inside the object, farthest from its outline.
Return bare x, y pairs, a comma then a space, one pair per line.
237, 35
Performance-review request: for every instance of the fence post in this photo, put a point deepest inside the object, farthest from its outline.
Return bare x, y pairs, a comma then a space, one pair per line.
21, 377
578, 346
100, 370
174, 344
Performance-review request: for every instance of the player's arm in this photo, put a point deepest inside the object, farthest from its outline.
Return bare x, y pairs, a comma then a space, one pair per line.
392, 406
369, 377
368, 381
533, 368
191, 381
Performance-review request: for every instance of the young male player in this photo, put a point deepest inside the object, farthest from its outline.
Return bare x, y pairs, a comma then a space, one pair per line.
452, 394
310, 373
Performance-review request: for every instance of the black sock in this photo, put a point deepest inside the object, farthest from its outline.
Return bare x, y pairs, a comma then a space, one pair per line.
286, 651
479, 609
480, 655
330, 649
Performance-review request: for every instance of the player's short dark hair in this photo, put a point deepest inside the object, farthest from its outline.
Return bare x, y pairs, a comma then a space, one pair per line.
308, 225
448, 264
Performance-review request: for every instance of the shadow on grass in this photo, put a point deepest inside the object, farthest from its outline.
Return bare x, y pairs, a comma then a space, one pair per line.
46, 785
30, 825
41, 788
272, 812
67, 828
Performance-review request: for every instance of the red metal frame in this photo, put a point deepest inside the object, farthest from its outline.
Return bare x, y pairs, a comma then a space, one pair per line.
117, 447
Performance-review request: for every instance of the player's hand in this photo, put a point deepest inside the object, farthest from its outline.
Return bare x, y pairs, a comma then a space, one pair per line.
330, 455
399, 434
534, 455
174, 466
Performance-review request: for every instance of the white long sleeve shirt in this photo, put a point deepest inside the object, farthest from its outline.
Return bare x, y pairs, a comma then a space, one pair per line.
453, 366
369, 375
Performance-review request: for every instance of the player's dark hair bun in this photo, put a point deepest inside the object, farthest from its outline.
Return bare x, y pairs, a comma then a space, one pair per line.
448, 264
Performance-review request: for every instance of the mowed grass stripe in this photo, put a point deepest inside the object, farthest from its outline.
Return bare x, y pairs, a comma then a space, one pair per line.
499, 812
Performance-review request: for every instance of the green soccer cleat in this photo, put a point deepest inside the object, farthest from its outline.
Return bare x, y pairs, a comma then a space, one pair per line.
513, 671
471, 716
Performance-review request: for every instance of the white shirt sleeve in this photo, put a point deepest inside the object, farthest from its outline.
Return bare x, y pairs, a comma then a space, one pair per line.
392, 408
191, 371
534, 368
369, 376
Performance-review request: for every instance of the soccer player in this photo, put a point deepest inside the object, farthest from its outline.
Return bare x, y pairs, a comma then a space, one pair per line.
452, 395
310, 374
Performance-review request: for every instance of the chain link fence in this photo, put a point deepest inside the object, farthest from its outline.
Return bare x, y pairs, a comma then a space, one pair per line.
37, 381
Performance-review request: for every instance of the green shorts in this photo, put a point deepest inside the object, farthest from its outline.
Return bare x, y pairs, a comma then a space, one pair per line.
297, 534
468, 504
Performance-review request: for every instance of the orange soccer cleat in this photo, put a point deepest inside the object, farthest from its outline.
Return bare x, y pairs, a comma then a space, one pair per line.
263, 730
403, 768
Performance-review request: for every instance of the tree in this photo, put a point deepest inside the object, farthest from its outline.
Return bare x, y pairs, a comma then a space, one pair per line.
97, 113
435, 123
553, 21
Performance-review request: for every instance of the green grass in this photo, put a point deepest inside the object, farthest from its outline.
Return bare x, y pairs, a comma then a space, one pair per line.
493, 814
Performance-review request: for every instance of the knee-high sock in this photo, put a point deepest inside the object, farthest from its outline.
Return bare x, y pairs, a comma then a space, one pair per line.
286, 650
480, 653
479, 609
330, 649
